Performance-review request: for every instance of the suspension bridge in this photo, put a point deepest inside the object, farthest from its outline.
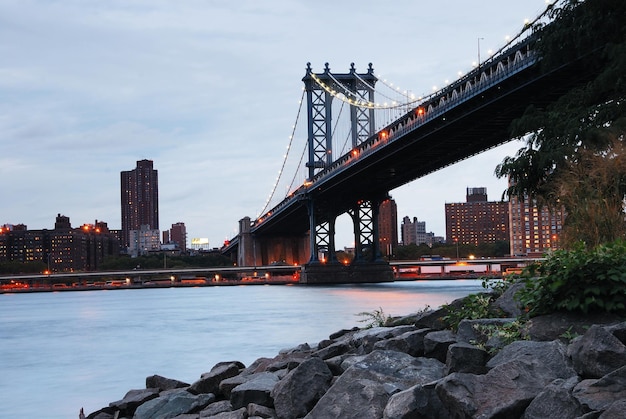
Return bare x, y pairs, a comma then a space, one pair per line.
358, 149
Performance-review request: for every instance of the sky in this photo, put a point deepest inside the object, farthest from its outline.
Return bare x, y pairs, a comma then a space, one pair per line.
209, 90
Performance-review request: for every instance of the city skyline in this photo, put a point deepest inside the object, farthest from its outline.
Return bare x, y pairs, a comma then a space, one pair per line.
90, 89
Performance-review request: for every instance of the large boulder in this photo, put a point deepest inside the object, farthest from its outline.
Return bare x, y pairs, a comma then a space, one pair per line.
562, 325
600, 394
173, 404
507, 302
257, 389
209, 382
464, 357
551, 355
363, 390
410, 342
597, 353
163, 383
299, 390
518, 373
555, 401
436, 344
417, 402
473, 331
216, 408
133, 399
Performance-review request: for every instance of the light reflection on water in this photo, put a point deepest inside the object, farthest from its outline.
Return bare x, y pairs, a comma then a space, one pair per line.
65, 350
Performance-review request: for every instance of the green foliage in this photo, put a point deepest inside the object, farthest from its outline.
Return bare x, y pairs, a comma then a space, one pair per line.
506, 333
414, 252
579, 280
376, 318
475, 306
569, 158
496, 286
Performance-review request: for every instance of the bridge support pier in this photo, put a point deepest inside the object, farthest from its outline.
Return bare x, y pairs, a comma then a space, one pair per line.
336, 273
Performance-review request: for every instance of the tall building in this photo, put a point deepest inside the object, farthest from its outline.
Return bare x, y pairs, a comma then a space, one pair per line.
414, 232
534, 230
178, 235
477, 221
140, 199
388, 227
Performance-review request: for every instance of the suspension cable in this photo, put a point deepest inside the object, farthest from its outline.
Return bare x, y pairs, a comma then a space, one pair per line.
282, 168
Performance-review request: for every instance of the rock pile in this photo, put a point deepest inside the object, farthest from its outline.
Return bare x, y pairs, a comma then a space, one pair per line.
415, 369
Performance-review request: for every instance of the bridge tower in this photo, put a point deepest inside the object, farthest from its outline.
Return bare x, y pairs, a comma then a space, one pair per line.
358, 89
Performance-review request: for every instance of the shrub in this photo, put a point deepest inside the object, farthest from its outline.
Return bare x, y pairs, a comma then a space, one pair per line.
578, 280
376, 318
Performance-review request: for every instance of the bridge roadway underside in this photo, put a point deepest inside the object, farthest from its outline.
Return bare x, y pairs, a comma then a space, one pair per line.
475, 125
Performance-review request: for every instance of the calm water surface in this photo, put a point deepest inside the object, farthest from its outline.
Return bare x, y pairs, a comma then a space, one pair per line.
62, 351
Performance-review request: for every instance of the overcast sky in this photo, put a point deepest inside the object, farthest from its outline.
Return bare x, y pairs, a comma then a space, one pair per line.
209, 90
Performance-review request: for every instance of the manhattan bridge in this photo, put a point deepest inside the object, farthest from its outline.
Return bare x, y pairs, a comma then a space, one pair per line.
365, 138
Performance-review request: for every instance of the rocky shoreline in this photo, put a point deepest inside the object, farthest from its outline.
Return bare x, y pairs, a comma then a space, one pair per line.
567, 366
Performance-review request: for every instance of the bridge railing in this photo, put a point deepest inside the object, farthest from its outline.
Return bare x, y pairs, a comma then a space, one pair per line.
490, 73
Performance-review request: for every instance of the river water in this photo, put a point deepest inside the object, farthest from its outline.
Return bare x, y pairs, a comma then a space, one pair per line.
60, 351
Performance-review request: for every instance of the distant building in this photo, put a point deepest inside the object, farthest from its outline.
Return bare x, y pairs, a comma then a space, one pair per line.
388, 227
139, 199
534, 230
63, 249
143, 241
477, 220
178, 235
414, 232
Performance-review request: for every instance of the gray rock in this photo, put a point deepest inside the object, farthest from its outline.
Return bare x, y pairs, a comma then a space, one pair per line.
555, 401
436, 344
258, 411
618, 330
163, 383
470, 331
432, 319
296, 394
134, 399
463, 357
334, 350
174, 404
597, 353
410, 342
507, 302
227, 385
256, 390
552, 356
615, 411
417, 402
505, 391
600, 394
215, 408
235, 414
364, 389
560, 325
210, 382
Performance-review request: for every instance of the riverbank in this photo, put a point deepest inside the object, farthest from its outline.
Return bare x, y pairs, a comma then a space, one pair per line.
568, 366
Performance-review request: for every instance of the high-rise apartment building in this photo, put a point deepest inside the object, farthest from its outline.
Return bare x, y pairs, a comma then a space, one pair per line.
477, 221
140, 199
534, 230
178, 235
388, 227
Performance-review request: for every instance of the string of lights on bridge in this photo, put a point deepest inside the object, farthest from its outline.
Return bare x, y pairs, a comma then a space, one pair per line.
351, 98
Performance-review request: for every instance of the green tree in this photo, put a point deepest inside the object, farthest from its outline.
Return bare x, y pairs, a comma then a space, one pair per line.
583, 130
